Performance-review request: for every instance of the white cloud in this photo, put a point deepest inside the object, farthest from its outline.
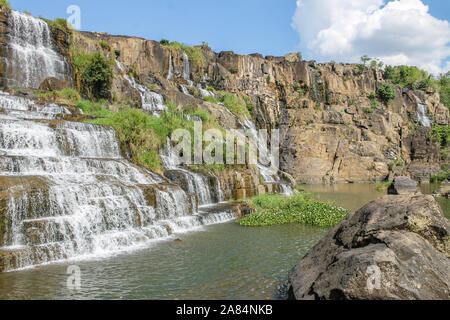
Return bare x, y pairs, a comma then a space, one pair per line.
397, 32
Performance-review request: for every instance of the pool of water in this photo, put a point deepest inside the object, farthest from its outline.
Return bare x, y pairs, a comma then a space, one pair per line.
355, 196
223, 261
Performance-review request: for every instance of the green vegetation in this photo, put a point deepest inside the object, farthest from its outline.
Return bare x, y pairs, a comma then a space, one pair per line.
416, 79
386, 94
234, 103
95, 73
409, 77
68, 95
211, 99
439, 177
105, 45
441, 134
365, 59
444, 89
59, 23
373, 100
5, 4
368, 110
195, 54
301, 208
146, 134
383, 186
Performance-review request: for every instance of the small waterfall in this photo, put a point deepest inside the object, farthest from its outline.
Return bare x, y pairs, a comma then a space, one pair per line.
170, 74
151, 101
67, 192
32, 56
424, 120
184, 90
191, 182
187, 69
205, 93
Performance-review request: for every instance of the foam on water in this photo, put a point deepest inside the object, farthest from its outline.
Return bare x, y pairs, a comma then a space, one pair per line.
71, 194
32, 55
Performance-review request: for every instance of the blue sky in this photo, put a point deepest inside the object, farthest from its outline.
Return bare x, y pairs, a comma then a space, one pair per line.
244, 26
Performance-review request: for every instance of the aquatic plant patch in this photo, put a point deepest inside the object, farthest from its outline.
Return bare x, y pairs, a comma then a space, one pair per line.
272, 210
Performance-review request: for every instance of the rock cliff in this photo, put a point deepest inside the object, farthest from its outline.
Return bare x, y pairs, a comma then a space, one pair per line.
331, 130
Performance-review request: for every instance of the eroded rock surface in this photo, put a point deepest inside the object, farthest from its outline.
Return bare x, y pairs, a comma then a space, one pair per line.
396, 247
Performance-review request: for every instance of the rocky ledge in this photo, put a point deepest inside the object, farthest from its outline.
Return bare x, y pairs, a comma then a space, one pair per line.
396, 247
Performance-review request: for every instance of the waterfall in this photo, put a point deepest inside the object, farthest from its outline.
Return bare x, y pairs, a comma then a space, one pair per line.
187, 69
191, 182
32, 56
424, 120
67, 191
170, 74
151, 101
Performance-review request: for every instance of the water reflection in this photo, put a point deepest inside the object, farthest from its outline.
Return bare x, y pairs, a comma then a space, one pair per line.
221, 262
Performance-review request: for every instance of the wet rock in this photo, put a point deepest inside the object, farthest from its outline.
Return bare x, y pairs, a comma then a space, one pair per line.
402, 186
396, 247
53, 84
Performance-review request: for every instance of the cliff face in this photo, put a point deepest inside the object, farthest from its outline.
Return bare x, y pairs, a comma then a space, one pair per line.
331, 131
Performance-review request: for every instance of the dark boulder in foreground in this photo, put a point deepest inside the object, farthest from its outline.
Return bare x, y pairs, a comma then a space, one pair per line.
402, 186
396, 247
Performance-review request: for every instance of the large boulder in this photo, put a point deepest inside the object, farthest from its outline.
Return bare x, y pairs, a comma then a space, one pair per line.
403, 186
396, 247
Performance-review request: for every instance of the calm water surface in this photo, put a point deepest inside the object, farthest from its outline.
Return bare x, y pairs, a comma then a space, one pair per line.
224, 261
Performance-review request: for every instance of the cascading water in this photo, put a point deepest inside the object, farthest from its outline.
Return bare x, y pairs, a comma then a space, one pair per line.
151, 101
32, 55
424, 120
269, 174
192, 182
170, 73
187, 70
67, 192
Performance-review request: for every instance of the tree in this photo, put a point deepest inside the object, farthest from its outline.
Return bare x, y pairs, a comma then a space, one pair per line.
386, 94
365, 59
97, 77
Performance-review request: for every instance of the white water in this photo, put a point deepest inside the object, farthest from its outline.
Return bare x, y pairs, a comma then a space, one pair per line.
151, 101
170, 74
194, 183
424, 120
187, 70
32, 55
69, 193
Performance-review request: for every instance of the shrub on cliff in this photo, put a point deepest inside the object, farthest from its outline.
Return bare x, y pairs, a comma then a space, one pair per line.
5, 4
195, 54
96, 75
146, 134
301, 208
386, 93
410, 77
441, 134
235, 104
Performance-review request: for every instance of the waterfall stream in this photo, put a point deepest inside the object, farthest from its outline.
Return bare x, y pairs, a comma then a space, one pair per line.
424, 120
191, 182
32, 55
269, 174
67, 191
151, 101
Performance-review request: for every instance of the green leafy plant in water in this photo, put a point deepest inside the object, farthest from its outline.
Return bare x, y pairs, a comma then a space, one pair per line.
272, 210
